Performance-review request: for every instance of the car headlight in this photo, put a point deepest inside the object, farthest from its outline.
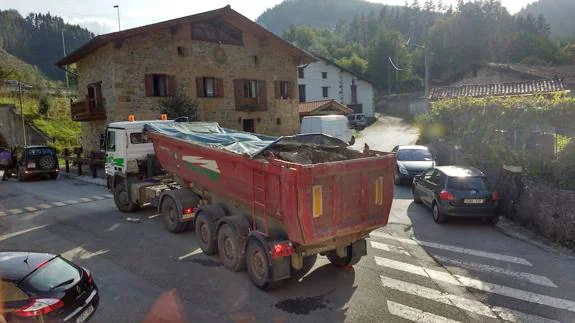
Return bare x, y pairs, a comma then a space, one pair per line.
402, 169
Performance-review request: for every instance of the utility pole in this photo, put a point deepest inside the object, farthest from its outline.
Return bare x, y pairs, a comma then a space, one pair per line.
118, 9
66, 70
22, 113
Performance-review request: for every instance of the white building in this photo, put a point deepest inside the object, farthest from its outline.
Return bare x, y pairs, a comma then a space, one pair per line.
323, 79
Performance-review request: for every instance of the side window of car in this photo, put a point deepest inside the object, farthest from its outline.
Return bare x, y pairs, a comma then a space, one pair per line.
437, 178
429, 175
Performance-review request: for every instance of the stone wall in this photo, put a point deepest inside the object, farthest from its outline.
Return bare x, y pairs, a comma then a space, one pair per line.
121, 67
11, 129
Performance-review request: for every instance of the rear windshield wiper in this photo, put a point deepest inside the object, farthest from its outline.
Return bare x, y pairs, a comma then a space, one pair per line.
63, 283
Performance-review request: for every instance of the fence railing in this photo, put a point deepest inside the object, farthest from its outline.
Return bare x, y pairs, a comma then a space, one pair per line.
92, 162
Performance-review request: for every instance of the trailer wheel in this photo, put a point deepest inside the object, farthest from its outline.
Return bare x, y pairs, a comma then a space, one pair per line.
258, 265
171, 217
122, 200
230, 249
206, 233
349, 260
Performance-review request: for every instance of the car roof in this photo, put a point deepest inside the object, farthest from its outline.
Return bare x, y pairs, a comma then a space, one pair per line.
417, 147
135, 124
460, 171
14, 266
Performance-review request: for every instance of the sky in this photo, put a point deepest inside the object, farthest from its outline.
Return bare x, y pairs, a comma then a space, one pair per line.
100, 16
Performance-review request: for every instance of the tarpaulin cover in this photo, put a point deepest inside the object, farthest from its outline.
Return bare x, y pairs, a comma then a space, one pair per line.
212, 135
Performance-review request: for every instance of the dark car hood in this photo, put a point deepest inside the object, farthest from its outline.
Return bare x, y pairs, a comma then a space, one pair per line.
419, 165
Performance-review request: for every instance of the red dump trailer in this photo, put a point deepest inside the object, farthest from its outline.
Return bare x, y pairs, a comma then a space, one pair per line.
273, 208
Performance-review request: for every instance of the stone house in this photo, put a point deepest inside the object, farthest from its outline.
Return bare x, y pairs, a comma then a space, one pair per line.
240, 74
324, 79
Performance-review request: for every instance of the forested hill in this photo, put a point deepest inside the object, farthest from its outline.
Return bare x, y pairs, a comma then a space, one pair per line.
316, 13
558, 13
37, 39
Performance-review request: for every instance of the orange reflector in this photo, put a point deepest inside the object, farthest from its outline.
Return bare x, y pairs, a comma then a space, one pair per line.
164, 117
131, 118
379, 191
317, 201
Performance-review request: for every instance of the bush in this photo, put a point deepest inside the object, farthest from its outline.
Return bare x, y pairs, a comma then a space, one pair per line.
180, 105
44, 105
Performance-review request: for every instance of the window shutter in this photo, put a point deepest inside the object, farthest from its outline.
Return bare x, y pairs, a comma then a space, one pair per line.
170, 85
278, 91
201, 91
238, 92
219, 87
149, 81
262, 95
289, 90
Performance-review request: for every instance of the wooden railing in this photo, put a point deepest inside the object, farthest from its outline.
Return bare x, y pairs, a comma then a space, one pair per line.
75, 156
88, 109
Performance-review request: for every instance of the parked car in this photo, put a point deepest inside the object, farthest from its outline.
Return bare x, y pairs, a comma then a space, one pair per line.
337, 126
411, 160
453, 191
357, 120
34, 161
45, 287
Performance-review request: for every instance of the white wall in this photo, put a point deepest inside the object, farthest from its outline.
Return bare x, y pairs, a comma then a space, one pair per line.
336, 78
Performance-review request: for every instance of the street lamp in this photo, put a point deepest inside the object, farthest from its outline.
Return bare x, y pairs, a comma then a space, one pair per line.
118, 9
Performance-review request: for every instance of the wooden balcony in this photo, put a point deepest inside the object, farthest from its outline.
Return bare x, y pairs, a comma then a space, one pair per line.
88, 109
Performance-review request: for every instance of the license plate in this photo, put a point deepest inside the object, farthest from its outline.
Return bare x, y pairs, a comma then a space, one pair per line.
84, 315
473, 201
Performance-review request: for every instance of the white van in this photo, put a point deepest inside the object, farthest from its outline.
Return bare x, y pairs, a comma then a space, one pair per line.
332, 125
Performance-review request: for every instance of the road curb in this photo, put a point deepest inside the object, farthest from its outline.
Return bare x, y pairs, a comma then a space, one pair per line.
87, 179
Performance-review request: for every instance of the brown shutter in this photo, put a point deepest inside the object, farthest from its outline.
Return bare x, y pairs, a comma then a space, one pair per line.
290, 90
238, 92
278, 91
201, 91
149, 81
219, 87
170, 85
262, 95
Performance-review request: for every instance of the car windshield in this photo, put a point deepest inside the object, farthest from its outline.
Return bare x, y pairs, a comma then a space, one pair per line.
40, 151
414, 155
478, 183
57, 272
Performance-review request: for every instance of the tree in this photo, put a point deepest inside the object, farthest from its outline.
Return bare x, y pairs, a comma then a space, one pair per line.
388, 44
180, 105
353, 63
43, 105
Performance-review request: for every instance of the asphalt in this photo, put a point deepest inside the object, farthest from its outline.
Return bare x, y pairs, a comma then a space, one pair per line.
415, 270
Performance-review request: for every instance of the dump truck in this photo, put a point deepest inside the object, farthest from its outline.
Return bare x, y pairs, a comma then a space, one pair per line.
265, 204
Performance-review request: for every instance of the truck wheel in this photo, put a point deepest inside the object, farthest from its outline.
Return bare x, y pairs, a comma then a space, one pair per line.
349, 260
206, 233
258, 265
122, 200
171, 217
308, 263
230, 249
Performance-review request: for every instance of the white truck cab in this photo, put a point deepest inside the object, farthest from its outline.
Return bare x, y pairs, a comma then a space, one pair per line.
337, 126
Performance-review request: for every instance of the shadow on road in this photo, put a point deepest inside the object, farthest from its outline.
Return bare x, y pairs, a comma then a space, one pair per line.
402, 192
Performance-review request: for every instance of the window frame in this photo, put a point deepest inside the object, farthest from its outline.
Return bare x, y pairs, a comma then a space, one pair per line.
284, 90
325, 91
113, 136
250, 89
301, 94
206, 93
324, 75
158, 87
301, 72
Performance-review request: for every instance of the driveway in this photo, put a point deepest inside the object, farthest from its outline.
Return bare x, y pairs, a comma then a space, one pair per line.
386, 133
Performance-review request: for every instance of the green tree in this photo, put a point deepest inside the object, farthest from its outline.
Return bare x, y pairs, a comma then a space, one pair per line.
354, 63
388, 44
180, 105
43, 105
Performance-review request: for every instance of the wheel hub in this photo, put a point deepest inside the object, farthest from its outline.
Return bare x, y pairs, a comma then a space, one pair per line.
123, 198
258, 264
204, 232
228, 248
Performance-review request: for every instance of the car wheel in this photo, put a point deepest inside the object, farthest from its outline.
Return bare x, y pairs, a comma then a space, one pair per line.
416, 199
493, 220
438, 216
54, 176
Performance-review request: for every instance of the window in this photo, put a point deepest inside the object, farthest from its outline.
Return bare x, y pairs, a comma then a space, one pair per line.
478, 183
283, 90
353, 92
249, 125
437, 178
111, 141
219, 32
250, 89
414, 155
429, 174
250, 95
159, 85
324, 91
324, 75
137, 138
300, 73
301, 89
56, 273
210, 87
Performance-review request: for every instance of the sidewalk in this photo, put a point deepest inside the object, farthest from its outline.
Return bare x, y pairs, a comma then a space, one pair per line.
86, 175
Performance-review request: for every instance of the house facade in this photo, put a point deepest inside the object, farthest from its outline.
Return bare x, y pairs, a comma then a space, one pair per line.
324, 80
240, 74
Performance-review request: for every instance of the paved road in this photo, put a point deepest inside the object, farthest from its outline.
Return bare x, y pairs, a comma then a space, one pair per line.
386, 133
463, 271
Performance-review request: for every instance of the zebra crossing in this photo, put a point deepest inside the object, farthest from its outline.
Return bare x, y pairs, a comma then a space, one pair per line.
396, 258
49, 205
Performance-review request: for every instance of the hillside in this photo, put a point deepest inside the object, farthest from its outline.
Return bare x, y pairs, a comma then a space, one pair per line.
37, 39
558, 13
13, 68
316, 13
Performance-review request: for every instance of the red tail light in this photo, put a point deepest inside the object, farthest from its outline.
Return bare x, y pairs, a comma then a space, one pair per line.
188, 210
39, 307
446, 196
495, 196
283, 249
89, 274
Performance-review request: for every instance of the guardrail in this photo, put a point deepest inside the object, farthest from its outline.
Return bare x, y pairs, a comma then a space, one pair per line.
80, 161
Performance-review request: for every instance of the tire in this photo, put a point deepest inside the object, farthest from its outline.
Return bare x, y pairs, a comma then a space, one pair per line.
438, 216
349, 260
416, 199
230, 249
308, 263
54, 176
396, 179
121, 199
352, 141
258, 265
493, 220
47, 162
206, 233
170, 216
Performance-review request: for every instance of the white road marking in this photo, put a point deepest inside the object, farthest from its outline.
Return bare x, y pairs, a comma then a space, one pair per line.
15, 234
479, 285
85, 199
44, 206
2, 214
532, 278
415, 315
389, 248
516, 316
16, 211
31, 209
473, 252
58, 203
109, 196
195, 252
98, 197
71, 202
154, 216
438, 296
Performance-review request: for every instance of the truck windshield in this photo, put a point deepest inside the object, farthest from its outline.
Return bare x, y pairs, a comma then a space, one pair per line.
138, 138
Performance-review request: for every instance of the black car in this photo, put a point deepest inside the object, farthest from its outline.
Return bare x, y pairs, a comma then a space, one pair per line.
35, 161
411, 160
45, 287
452, 191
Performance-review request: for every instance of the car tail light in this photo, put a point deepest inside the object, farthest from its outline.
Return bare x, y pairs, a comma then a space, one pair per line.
446, 196
283, 249
495, 196
89, 274
39, 307
188, 210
